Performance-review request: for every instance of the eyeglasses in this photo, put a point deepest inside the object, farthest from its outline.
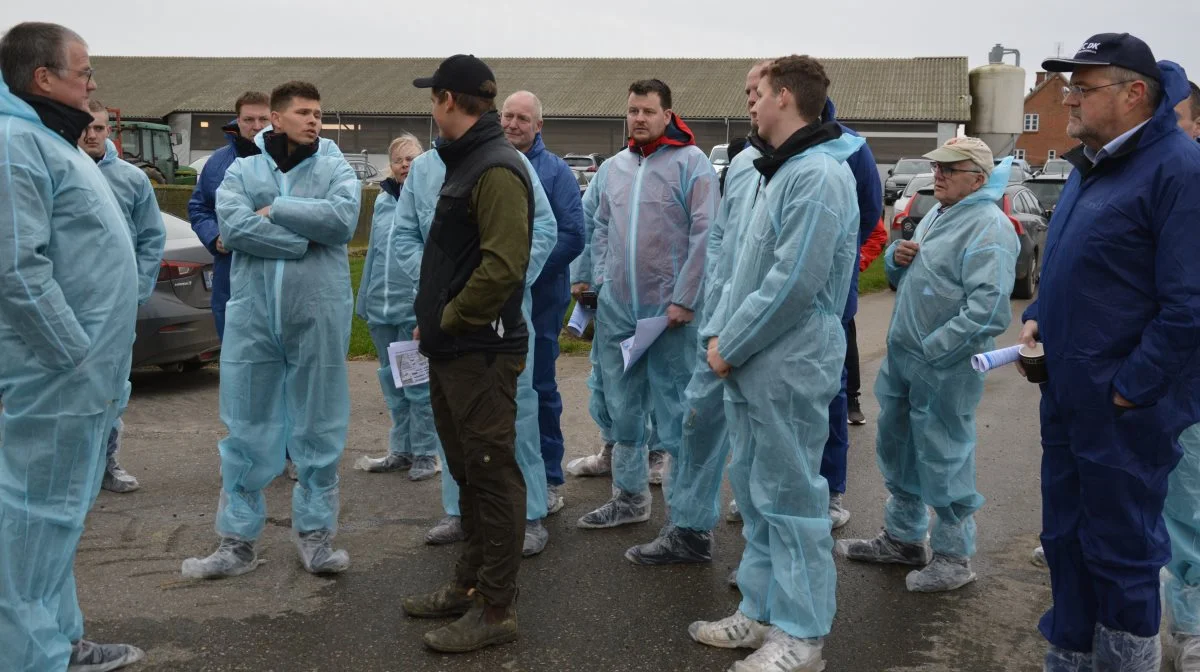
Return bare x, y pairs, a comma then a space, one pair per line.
950, 171
87, 73
1080, 91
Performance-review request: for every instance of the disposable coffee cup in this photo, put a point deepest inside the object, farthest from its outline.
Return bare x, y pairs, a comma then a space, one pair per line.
1034, 361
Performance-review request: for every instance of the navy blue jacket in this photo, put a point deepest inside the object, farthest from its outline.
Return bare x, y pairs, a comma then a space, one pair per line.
870, 202
562, 189
1119, 303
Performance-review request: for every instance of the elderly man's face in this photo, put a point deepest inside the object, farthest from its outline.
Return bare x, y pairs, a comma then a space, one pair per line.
520, 121
92, 141
1189, 124
952, 182
72, 82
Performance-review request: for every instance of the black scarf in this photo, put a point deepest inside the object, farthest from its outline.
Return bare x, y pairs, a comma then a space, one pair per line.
391, 186
277, 147
64, 120
806, 138
454, 152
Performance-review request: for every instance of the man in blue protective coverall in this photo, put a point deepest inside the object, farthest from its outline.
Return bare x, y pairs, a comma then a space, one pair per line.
521, 117
776, 338
68, 306
136, 197
414, 216
953, 281
253, 115
287, 215
1118, 314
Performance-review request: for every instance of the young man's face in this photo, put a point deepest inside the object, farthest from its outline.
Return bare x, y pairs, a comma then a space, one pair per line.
92, 140
768, 109
300, 121
1189, 124
646, 118
752, 79
252, 119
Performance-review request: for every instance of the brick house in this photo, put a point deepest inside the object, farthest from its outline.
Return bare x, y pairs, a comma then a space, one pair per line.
1045, 130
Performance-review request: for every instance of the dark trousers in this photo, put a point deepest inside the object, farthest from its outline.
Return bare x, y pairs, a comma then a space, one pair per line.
853, 382
474, 401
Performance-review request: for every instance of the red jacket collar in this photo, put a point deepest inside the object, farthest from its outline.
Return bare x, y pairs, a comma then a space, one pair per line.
676, 135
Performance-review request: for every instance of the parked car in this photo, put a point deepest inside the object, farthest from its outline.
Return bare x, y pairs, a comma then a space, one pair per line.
916, 183
900, 175
1020, 170
175, 328
1022, 208
1057, 168
1048, 188
581, 177
363, 168
198, 164
586, 162
719, 156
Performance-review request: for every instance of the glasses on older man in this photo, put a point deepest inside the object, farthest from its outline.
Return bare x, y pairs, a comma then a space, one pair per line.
86, 73
949, 171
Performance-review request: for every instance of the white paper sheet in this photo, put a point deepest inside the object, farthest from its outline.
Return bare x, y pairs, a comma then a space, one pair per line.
647, 331
409, 367
989, 360
581, 317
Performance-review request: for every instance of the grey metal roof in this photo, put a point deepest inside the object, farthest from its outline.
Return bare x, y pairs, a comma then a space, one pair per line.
864, 89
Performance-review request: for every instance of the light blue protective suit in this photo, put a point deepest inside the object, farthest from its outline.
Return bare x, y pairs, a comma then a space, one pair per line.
1181, 585
283, 360
68, 305
779, 325
951, 303
414, 216
385, 300
649, 232
694, 497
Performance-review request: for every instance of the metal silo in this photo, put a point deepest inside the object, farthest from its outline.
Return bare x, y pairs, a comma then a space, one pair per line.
998, 102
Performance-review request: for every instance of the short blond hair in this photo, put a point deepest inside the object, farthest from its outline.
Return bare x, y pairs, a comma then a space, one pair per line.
404, 139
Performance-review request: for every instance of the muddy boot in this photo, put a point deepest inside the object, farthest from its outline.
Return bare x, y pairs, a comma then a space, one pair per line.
480, 627
450, 599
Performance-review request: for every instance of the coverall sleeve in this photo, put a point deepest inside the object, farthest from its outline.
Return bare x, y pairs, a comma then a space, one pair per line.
802, 264
31, 301
202, 207
713, 284
568, 214
874, 245
545, 230
369, 262
702, 200
1171, 339
596, 223
328, 221
988, 272
244, 230
151, 238
893, 270
502, 210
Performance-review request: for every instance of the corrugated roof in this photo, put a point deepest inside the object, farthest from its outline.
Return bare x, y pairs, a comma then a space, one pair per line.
891, 89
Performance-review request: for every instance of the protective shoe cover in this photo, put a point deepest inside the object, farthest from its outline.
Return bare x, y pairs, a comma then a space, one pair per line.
674, 546
885, 549
623, 509
1181, 607
732, 578
233, 557
733, 516
599, 464
659, 464
784, 653
732, 632
424, 467
839, 515
943, 573
449, 530
536, 536
92, 657
387, 463
1117, 651
474, 631
117, 479
1038, 557
317, 554
450, 599
554, 500
1062, 660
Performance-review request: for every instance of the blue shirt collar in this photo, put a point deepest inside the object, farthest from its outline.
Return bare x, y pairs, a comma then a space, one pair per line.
1114, 145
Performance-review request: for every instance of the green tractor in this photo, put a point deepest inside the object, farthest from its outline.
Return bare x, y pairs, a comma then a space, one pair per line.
149, 147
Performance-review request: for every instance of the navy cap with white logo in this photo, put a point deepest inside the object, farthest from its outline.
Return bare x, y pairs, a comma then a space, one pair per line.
1119, 49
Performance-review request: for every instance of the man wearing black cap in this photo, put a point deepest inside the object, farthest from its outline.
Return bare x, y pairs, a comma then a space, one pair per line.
1119, 316
470, 326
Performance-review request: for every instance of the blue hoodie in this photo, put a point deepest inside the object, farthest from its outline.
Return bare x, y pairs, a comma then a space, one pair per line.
562, 189
1119, 303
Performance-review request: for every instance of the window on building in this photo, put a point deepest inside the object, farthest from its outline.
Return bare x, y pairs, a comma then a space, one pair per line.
1031, 123
1051, 155
1019, 154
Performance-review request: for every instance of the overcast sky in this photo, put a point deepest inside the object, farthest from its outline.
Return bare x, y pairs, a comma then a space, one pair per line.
691, 28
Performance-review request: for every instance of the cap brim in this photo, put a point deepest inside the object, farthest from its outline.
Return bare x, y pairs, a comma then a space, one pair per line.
1068, 64
946, 155
423, 82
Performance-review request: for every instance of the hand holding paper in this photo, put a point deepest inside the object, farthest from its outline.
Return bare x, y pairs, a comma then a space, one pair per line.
989, 360
409, 367
647, 331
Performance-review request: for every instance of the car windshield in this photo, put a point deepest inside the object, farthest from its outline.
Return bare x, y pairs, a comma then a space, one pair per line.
912, 167
921, 204
1047, 191
719, 155
1056, 167
579, 161
917, 183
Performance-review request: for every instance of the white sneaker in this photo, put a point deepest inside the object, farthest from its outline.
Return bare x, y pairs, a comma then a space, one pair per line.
784, 653
734, 632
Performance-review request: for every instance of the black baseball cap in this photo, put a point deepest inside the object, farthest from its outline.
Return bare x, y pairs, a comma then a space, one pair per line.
1120, 49
461, 73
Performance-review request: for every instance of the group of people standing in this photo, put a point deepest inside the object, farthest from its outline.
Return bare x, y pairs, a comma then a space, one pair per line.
476, 248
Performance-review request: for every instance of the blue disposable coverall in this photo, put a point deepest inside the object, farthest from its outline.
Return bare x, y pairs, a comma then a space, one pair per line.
951, 303
414, 216
778, 323
283, 361
68, 306
1118, 311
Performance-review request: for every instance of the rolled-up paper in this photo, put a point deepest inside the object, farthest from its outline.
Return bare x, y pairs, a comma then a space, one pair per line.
581, 317
990, 360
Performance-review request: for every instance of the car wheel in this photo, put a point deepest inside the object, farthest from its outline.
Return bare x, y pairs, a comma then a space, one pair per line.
1026, 286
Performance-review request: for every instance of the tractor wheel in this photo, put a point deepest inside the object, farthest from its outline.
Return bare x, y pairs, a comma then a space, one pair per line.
155, 175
